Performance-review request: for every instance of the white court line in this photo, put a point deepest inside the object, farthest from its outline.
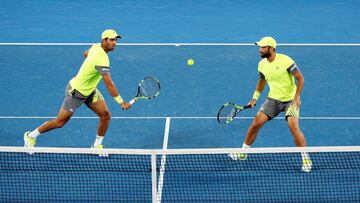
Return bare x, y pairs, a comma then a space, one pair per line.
67, 150
170, 44
182, 117
163, 161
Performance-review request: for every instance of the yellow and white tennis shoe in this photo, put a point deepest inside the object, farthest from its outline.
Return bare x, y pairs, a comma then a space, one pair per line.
29, 141
238, 156
306, 165
98, 150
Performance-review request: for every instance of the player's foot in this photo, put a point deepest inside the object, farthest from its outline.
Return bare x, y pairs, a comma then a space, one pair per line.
238, 156
29, 142
306, 166
98, 150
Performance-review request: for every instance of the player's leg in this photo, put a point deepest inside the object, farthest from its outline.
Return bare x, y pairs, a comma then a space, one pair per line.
98, 105
72, 101
292, 117
62, 118
258, 122
268, 110
292, 114
299, 138
260, 119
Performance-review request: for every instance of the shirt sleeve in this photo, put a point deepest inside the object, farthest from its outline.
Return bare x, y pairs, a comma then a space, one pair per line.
102, 64
291, 65
260, 69
293, 68
261, 76
103, 70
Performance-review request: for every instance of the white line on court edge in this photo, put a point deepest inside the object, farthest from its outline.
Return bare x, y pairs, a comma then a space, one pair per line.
182, 117
163, 160
170, 44
166, 132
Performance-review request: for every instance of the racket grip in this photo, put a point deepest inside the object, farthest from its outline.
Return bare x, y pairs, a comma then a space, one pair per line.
132, 101
247, 106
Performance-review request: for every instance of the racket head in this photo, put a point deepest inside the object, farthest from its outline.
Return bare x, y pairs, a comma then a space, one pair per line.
228, 112
148, 88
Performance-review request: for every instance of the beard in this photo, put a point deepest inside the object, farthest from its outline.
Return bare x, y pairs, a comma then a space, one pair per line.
264, 55
111, 48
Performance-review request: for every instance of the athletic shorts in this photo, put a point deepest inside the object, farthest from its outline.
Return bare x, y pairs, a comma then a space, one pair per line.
74, 99
272, 108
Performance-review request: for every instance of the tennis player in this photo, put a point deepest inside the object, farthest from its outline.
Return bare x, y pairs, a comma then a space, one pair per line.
279, 71
82, 89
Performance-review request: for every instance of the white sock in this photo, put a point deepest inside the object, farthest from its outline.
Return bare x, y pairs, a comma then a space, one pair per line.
304, 155
245, 146
98, 140
34, 134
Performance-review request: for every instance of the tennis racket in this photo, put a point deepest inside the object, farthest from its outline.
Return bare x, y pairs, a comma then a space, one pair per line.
148, 88
228, 112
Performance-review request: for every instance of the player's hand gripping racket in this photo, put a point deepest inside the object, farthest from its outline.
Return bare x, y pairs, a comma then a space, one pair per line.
148, 88
228, 112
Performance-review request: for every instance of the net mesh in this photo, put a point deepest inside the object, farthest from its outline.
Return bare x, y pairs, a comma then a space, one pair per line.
182, 176
262, 178
58, 177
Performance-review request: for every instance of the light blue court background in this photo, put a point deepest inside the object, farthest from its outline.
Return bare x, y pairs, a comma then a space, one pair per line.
33, 78
289, 21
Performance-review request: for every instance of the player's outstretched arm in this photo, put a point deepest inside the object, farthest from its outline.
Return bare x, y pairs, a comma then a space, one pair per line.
110, 86
259, 88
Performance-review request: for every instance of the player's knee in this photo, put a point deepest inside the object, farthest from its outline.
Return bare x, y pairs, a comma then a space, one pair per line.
59, 123
259, 120
293, 126
105, 116
256, 124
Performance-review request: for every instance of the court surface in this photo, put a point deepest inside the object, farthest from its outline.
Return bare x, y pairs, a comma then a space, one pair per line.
33, 86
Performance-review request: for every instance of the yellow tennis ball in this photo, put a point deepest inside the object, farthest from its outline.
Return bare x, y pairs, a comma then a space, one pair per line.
190, 62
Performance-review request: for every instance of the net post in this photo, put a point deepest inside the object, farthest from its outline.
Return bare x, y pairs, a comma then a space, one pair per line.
153, 176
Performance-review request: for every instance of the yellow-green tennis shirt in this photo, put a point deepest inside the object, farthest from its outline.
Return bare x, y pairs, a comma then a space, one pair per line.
279, 76
94, 66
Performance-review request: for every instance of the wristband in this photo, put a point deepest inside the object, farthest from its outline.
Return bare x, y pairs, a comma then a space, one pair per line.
256, 95
118, 99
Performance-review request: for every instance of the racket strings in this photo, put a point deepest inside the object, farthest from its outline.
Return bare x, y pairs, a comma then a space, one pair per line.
149, 88
227, 113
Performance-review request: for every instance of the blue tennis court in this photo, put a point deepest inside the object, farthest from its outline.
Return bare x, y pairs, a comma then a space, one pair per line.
158, 38
329, 107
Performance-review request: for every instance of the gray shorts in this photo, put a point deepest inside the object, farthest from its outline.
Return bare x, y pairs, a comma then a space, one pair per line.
272, 108
74, 99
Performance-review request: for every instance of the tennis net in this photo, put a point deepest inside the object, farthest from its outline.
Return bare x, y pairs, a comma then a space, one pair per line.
179, 175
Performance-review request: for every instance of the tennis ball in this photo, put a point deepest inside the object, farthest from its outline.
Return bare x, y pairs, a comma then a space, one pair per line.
190, 62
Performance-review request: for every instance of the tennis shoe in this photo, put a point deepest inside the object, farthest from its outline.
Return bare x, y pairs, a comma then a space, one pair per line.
306, 165
238, 156
29, 142
98, 150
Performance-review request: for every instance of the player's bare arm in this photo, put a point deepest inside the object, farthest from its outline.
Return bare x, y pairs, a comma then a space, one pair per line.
110, 86
259, 88
299, 86
86, 53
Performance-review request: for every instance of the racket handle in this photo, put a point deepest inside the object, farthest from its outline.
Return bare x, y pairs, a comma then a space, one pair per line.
132, 101
247, 106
